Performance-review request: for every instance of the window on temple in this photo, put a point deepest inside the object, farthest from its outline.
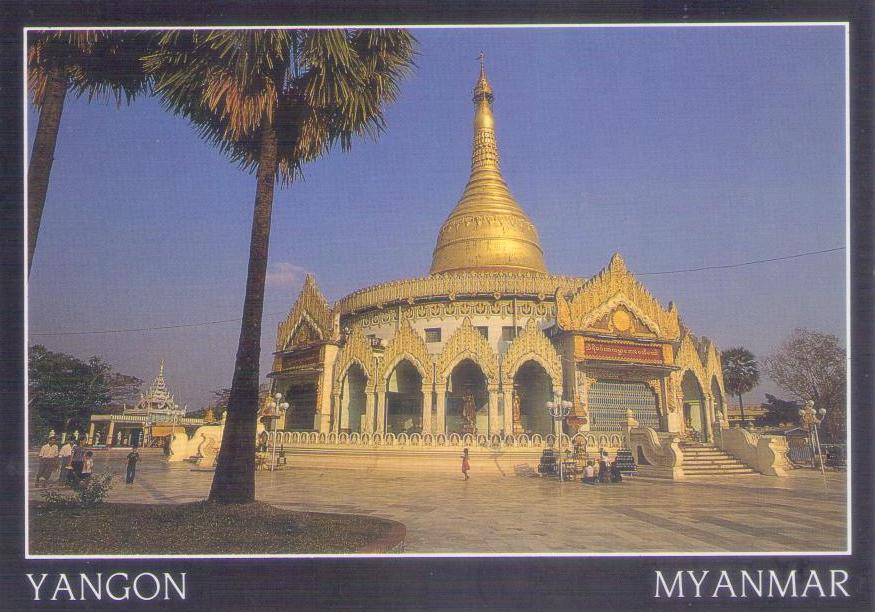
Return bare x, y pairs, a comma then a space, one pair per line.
433, 334
509, 332
484, 331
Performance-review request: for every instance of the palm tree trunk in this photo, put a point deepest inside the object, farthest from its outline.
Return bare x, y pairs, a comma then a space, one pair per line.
234, 481
43, 155
741, 405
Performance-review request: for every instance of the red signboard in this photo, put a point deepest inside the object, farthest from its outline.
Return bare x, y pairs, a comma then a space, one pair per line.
623, 351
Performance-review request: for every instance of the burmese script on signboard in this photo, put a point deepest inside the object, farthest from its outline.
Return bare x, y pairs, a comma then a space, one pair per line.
623, 351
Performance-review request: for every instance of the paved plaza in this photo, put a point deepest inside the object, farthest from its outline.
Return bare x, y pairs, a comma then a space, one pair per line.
512, 513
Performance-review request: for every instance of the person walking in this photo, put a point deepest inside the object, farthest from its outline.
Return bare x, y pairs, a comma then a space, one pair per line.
65, 455
48, 460
133, 457
466, 465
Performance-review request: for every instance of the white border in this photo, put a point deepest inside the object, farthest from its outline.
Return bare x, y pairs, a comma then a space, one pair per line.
849, 490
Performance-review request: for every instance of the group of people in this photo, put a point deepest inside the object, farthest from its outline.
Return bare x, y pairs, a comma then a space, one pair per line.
607, 471
74, 462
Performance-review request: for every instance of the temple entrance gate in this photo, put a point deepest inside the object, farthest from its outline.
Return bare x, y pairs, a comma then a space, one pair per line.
467, 399
609, 399
534, 389
352, 400
404, 399
695, 411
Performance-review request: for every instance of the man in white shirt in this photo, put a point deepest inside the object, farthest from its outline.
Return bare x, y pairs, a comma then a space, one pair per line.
48, 460
65, 455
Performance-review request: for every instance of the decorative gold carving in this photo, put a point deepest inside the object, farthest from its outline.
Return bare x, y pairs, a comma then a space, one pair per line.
688, 358
304, 333
356, 350
621, 320
531, 344
311, 306
617, 285
469, 343
459, 284
459, 309
407, 344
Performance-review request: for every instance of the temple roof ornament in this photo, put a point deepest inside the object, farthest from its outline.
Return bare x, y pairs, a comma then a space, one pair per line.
311, 319
615, 285
488, 230
157, 397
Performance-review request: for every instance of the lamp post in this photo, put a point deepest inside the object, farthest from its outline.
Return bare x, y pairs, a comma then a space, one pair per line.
811, 418
559, 410
275, 408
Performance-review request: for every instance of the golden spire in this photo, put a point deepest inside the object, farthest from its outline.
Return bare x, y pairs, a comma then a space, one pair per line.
487, 231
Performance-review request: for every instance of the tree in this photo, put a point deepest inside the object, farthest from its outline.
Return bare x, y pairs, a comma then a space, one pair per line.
272, 100
740, 374
94, 63
65, 391
778, 412
124, 391
812, 366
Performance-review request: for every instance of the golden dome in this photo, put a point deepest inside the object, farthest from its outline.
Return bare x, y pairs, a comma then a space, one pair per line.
488, 230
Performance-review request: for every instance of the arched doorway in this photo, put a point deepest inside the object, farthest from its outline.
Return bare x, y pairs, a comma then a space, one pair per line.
718, 397
467, 399
404, 399
534, 389
352, 399
695, 413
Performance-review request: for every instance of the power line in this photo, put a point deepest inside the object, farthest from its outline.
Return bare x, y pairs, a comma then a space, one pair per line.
746, 263
270, 314
155, 328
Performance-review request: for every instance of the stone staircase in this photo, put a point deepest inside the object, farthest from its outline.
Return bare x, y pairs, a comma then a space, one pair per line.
707, 460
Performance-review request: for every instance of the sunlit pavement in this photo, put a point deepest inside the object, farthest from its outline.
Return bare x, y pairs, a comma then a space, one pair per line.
491, 513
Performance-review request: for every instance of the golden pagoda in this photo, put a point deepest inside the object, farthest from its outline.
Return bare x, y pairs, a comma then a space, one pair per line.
487, 230
481, 344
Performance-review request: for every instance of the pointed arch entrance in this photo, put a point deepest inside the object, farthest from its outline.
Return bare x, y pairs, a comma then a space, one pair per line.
467, 399
404, 399
695, 412
533, 388
353, 399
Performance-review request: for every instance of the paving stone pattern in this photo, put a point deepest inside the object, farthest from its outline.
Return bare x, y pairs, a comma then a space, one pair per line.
526, 514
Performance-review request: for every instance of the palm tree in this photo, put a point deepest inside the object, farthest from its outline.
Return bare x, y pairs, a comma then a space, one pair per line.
740, 373
96, 63
272, 100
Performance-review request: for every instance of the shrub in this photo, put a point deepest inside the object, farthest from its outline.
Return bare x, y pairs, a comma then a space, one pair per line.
85, 494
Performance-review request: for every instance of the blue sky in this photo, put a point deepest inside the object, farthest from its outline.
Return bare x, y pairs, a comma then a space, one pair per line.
677, 147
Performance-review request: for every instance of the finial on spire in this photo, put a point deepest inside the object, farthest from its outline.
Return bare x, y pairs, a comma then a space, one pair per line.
161, 368
482, 90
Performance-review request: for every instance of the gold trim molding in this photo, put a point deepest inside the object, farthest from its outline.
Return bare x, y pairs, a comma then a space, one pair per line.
454, 285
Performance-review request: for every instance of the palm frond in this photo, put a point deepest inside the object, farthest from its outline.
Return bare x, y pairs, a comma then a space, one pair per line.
316, 88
